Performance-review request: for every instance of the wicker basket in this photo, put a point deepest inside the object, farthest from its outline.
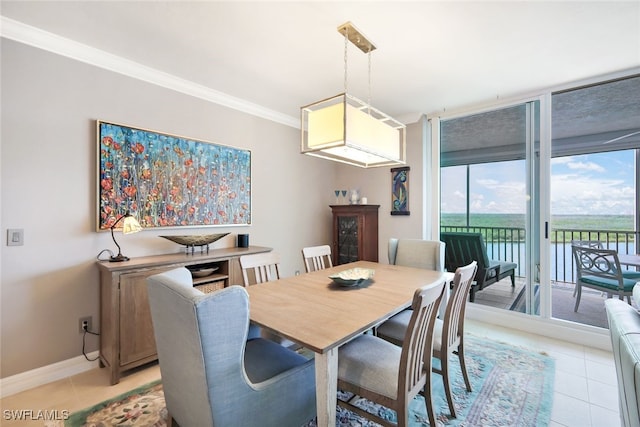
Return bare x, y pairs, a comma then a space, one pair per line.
210, 287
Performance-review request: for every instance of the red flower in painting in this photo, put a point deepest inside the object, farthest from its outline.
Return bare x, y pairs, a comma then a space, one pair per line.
130, 191
107, 140
201, 170
146, 174
192, 210
125, 174
138, 148
106, 184
188, 162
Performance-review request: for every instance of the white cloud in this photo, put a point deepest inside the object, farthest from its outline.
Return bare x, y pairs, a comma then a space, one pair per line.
590, 166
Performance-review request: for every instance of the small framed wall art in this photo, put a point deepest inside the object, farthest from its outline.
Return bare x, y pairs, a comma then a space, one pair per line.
166, 180
400, 191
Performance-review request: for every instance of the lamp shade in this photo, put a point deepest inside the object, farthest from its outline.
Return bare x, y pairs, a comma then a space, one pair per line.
130, 225
346, 129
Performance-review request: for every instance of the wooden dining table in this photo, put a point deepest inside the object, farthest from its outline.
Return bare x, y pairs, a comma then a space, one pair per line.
320, 315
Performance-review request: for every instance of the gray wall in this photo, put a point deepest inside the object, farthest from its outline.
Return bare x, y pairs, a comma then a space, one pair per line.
48, 180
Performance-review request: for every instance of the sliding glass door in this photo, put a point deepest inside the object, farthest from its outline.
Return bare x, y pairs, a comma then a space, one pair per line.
532, 177
594, 186
489, 181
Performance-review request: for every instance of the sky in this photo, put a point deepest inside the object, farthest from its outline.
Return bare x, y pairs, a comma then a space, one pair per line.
589, 184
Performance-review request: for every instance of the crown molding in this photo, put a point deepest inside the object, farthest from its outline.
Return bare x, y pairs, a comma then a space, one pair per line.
33, 36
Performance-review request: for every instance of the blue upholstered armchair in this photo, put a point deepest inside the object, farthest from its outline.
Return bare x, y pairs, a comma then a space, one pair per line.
211, 374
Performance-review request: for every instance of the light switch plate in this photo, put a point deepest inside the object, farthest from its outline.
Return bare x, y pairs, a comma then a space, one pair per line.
15, 237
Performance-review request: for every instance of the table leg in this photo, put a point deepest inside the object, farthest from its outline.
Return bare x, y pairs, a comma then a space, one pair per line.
326, 387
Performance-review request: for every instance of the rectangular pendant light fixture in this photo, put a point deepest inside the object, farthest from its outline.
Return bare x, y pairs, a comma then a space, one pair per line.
347, 130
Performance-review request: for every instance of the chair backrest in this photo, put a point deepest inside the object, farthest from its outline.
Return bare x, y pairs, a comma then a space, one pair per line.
463, 248
417, 347
597, 263
188, 333
317, 258
259, 268
428, 254
596, 244
453, 322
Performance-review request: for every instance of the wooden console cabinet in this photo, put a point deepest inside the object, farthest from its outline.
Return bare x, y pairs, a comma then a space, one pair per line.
355, 233
126, 330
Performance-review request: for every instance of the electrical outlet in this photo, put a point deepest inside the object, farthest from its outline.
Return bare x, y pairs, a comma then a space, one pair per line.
85, 324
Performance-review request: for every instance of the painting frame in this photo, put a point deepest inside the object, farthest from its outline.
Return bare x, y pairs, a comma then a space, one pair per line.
169, 181
400, 191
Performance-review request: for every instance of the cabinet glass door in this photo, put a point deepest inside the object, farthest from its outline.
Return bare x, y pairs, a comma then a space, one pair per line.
347, 239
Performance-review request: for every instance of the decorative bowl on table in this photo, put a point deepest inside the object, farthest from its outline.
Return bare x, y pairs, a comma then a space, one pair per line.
353, 276
194, 240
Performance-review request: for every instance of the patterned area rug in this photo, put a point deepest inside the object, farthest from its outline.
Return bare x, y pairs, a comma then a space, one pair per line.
511, 387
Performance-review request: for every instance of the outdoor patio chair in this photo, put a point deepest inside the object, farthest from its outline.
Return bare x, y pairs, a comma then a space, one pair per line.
600, 269
462, 248
597, 244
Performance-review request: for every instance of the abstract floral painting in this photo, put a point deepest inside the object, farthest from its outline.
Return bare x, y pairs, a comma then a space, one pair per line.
400, 191
170, 181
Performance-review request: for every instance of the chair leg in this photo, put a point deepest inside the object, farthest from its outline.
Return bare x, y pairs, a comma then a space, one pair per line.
513, 279
402, 415
578, 294
428, 400
463, 366
444, 362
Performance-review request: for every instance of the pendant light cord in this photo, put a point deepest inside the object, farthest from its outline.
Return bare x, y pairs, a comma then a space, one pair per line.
346, 43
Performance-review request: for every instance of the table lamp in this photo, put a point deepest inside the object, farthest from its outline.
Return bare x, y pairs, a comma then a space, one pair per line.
129, 225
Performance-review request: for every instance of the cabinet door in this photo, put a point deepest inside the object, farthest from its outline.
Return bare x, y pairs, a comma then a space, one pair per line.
347, 239
136, 328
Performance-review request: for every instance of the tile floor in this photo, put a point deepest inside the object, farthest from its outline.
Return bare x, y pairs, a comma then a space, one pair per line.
585, 391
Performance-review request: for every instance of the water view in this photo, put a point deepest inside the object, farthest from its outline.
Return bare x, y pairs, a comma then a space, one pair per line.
504, 236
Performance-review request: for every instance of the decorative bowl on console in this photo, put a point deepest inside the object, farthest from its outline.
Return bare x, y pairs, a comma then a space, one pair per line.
194, 240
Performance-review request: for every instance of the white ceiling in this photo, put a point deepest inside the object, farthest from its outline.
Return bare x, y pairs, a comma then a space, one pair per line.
430, 55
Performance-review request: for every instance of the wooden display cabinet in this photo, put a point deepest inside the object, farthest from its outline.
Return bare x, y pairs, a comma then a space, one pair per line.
355, 233
126, 329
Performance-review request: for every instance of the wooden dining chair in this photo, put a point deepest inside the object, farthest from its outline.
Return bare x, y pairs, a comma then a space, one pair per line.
260, 268
392, 376
449, 332
316, 258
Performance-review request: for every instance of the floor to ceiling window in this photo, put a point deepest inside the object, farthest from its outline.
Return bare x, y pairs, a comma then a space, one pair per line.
594, 186
485, 189
492, 183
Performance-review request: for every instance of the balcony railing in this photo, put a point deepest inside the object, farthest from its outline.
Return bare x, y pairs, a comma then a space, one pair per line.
508, 244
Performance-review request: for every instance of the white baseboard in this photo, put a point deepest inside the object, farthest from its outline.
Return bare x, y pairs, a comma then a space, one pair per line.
46, 374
